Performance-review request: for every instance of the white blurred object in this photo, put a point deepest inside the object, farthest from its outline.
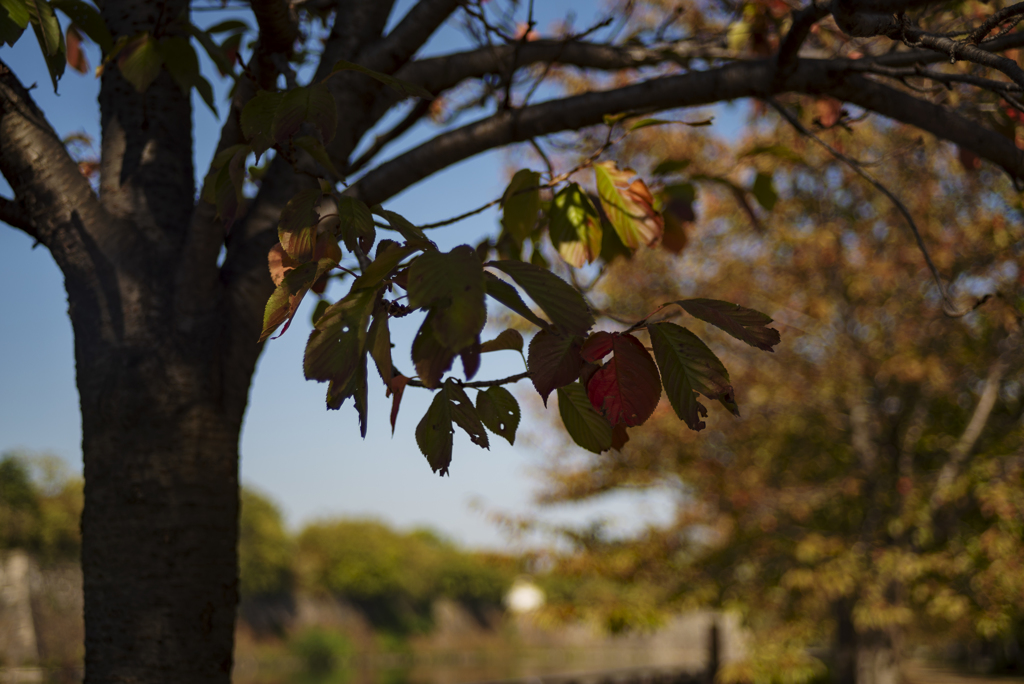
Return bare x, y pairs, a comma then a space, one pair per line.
524, 596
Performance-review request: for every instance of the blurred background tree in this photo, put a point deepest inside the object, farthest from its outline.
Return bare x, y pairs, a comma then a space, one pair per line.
40, 506
872, 495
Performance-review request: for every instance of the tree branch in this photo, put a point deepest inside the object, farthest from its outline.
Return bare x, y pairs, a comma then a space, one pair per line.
56, 205
13, 215
965, 445
742, 79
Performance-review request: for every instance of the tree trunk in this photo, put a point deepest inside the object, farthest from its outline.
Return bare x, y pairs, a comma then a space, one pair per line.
160, 524
862, 657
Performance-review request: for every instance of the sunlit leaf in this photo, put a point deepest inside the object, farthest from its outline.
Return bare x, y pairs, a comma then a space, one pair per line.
629, 206
554, 361
627, 388
298, 224
140, 62
742, 323
556, 298
280, 263
520, 205
499, 411
14, 19
587, 427
355, 222
575, 226
285, 300
506, 339
688, 366
404, 87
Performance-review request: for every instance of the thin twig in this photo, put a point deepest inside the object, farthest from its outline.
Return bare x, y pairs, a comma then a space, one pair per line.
949, 307
510, 380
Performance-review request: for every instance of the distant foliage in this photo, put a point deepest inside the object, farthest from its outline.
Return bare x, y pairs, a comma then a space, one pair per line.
40, 506
394, 577
264, 548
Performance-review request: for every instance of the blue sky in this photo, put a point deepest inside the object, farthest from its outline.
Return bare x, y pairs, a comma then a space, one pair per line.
306, 458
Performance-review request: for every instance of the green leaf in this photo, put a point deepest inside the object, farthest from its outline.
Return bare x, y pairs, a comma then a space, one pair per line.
627, 388
556, 298
670, 166
257, 120
180, 60
431, 358
336, 345
305, 103
464, 414
401, 224
519, 209
404, 87
452, 286
14, 18
434, 434
214, 51
779, 151
355, 222
355, 387
298, 224
764, 192
508, 295
587, 427
379, 344
742, 323
629, 206
140, 62
318, 152
506, 339
389, 255
88, 20
644, 123
319, 310
285, 300
575, 226
554, 361
499, 411
688, 366
50, 37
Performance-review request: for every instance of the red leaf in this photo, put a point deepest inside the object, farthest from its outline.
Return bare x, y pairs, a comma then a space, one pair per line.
554, 362
397, 389
627, 388
597, 346
75, 53
619, 436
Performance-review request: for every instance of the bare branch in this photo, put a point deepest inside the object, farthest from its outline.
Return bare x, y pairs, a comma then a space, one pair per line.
14, 216
803, 20
418, 111
410, 34
732, 81
510, 380
962, 449
965, 51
